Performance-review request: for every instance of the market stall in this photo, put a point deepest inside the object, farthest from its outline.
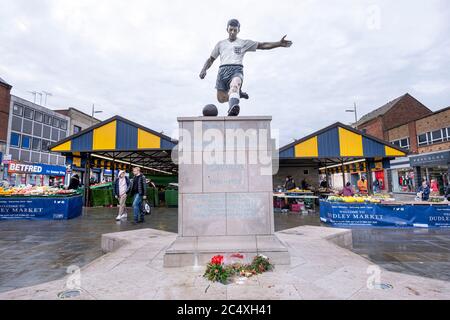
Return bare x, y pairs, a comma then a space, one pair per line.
39, 203
113, 144
377, 212
333, 157
296, 200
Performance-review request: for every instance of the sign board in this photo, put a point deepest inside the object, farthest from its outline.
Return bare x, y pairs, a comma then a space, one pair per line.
439, 158
379, 215
50, 208
42, 169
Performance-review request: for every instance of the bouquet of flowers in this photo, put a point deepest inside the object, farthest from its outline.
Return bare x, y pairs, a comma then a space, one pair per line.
217, 271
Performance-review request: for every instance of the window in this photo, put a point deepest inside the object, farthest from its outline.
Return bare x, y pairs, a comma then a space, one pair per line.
15, 139
18, 110
38, 116
76, 129
46, 132
402, 143
436, 136
63, 124
56, 122
16, 124
36, 144
26, 142
27, 126
45, 145
55, 133
422, 139
306, 172
37, 129
28, 113
448, 132
47, 119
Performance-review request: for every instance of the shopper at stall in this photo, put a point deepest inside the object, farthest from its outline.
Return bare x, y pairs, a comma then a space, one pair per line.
324, 184
74, 182
434, 186
304, 184
139, 193
376, 186
348, 190
425, 190
122, 186
290, 183
362, 185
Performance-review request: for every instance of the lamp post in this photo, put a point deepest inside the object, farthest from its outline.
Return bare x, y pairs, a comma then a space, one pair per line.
355, 112
94, 112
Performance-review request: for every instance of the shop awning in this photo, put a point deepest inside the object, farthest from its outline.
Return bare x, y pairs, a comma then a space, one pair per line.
123, 141
336, 144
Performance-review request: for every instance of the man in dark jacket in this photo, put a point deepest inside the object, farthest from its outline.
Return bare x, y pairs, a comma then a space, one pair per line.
122, 186
74, 182
139, 193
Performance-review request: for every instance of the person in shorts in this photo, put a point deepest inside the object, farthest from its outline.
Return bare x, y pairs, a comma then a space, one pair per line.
231, 70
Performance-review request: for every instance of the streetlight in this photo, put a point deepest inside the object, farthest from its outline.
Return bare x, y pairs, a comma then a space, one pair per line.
94, 112
355, 112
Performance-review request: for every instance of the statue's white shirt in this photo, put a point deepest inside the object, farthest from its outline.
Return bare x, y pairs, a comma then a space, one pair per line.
232, 52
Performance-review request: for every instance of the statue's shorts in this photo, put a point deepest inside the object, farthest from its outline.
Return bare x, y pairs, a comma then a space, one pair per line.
226, 73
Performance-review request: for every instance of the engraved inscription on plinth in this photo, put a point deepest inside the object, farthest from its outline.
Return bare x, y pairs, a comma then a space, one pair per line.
225, 191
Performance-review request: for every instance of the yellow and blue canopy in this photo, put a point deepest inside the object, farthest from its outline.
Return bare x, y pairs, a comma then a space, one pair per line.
114, 134
340, 141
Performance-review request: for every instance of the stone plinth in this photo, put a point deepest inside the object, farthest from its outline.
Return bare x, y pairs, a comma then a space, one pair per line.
225, 191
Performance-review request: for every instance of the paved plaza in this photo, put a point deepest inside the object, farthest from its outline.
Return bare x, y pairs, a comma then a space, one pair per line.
320, 269
36, 252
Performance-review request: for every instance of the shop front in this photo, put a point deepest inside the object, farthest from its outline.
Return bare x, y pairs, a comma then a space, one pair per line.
433, 168
36, 174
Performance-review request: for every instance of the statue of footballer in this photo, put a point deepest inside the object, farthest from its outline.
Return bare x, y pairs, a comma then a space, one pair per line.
231, 70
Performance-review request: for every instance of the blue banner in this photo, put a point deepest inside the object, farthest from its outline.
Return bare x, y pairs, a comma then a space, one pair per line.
51, 208
37, 168
385, 215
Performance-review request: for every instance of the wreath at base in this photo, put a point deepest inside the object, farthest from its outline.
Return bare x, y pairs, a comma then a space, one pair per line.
218, 271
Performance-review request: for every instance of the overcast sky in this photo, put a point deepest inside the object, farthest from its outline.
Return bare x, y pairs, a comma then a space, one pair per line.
141, 59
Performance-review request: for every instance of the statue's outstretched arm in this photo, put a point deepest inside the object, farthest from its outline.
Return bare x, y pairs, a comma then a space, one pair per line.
272, 45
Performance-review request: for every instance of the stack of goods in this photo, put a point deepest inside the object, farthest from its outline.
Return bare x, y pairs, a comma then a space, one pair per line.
355, 199
30, 191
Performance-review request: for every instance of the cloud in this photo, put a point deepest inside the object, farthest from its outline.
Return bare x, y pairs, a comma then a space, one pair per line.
141, 59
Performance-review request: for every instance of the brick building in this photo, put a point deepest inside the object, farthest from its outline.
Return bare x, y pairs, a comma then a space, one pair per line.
5, 100
409, 124
395, 113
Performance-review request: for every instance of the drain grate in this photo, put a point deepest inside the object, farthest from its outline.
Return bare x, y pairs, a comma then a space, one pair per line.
383, 286
69, 294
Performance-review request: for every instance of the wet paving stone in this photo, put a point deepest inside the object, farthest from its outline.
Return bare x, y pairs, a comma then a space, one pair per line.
33, 252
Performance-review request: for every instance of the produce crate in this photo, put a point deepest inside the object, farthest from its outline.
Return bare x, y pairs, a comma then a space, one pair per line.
172, 198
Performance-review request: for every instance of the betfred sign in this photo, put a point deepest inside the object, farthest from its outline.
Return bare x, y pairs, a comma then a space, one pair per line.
24, 168
43, 169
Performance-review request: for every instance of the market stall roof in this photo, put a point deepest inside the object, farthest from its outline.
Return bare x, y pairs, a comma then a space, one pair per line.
122, 140
336, 144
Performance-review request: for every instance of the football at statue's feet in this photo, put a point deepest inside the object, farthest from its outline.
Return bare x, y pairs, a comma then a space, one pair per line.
210, 110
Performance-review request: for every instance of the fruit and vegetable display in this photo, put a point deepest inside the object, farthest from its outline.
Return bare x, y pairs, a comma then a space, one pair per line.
297, 190
357, 199
31, 191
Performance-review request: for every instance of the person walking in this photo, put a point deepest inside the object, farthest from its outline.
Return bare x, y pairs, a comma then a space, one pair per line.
139, 193
122, 186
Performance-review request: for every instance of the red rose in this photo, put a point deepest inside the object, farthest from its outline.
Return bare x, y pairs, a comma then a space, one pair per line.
237, 255
217, 260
